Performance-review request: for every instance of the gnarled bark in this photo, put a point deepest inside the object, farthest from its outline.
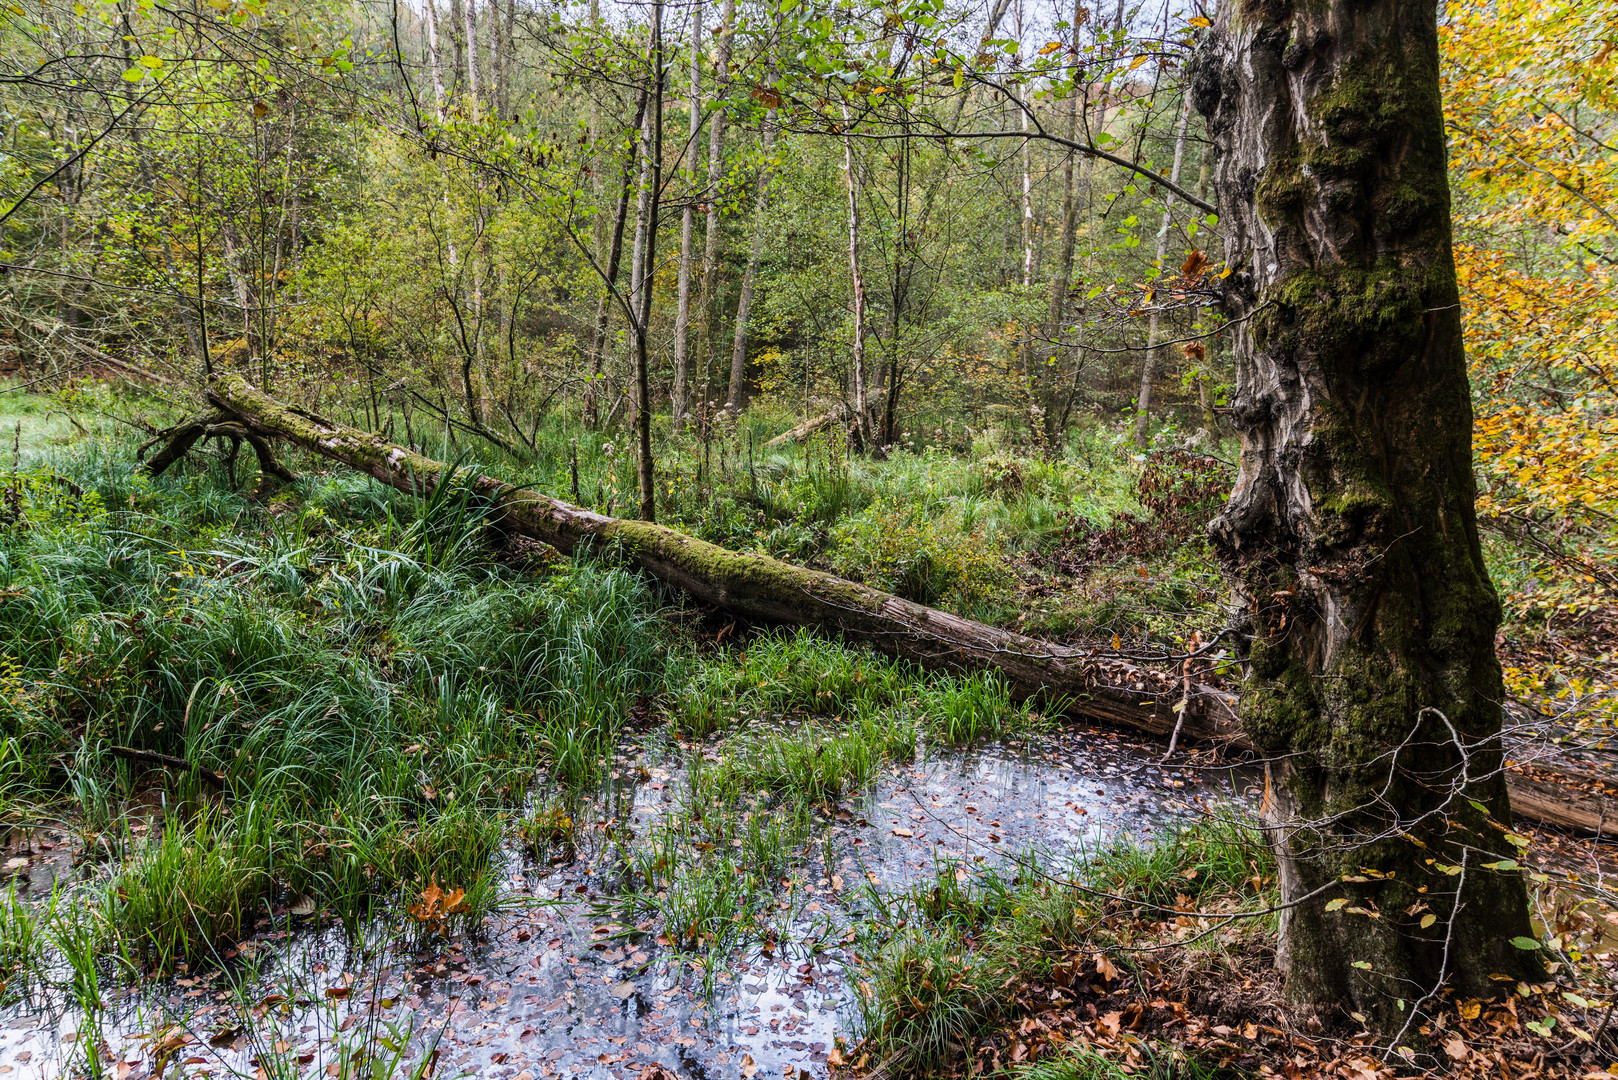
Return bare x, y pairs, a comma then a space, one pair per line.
1350, 538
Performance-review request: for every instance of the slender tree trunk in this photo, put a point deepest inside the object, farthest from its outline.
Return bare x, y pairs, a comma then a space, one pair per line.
472, 53
1148, 366
509, 59
744, 304
862, 413
457, 37
1027, 170
613, 259
435, 59
646, 260
688, 223
712, 231
1366, 612
1062, 279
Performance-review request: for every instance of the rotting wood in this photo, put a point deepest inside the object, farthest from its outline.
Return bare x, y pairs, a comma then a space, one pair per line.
808, 427
178, 764
1085, 681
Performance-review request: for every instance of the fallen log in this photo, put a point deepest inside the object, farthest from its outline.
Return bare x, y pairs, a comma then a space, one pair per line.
1084, 680
178, 764
808, 427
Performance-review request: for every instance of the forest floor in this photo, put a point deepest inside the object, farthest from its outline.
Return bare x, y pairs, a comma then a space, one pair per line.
324, 781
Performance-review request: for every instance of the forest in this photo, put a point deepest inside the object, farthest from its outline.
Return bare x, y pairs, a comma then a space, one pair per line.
808, 539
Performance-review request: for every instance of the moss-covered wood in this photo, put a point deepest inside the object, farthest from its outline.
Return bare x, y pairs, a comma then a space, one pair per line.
769, 590
1350, 537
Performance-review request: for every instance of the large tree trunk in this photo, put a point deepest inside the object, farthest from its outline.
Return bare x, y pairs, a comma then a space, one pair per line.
1350, 538
1082, 679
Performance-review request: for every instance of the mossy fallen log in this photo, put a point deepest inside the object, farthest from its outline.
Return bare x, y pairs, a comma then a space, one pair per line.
808, 427
1086, 680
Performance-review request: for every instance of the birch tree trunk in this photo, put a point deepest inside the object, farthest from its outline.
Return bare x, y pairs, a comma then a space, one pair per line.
457, 37
712, 232
508, 58
688, 223
1148, 366
1062, 279
862, 414
1027, 170
613, 259
472, 53
744, 304
646, 260
435, 60
1350, 539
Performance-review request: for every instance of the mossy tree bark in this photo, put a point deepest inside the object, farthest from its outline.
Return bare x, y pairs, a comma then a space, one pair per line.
1350, 537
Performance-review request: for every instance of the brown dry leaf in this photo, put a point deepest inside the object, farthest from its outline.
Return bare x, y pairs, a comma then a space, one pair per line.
749, 1070
426, 908
1105, 968
834, 1058
1111, 1023
1456, 1049
903, 832
654, 1071
1471, 1010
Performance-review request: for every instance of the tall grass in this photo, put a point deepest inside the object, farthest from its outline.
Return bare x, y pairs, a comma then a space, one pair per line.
372, 685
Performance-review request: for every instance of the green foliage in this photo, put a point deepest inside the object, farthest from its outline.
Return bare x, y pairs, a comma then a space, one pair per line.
918, 557
180, 619
190, 888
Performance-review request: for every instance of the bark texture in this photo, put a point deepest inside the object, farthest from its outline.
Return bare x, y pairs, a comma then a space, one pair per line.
1350, 538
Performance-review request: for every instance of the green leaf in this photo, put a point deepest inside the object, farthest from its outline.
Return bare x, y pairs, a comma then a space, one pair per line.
135, 74
153, 62
1428, 920
1363, 965
1333, 905
1503, 864
1526, 944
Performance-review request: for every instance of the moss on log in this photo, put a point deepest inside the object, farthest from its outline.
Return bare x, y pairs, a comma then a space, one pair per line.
758, 587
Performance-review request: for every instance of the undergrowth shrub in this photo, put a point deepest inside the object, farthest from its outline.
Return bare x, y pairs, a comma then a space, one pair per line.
921, 558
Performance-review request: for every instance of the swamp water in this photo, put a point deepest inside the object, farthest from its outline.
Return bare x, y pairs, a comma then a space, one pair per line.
559, 983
